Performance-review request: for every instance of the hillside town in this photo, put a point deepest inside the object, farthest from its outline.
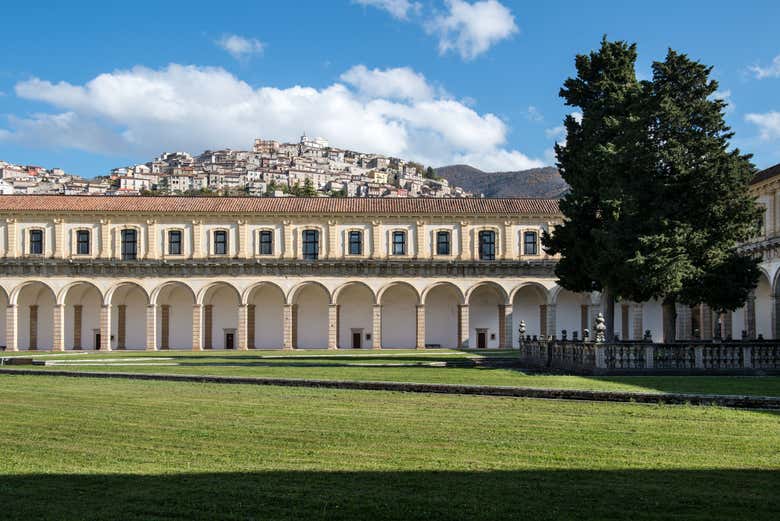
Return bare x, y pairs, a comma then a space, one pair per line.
310, 167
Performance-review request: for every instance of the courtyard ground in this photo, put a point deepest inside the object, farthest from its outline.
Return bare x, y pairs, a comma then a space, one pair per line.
122, 449
389, 365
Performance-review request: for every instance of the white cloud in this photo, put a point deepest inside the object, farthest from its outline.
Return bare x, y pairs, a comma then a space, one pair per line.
397, 8
768, 124
471, 29
770, 71
397, 83
559, 133
534, 114
239, 47
143, 112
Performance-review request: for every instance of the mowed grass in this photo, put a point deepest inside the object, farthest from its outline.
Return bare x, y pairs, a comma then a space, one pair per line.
394, 366
121, 449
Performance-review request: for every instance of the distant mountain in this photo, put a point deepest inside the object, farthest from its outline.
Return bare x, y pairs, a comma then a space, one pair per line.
536, 182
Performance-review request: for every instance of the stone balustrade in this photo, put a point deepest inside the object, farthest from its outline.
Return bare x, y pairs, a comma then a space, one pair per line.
651, 358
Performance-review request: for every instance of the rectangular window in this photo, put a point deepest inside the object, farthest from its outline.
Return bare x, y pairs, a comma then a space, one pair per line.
399, 243
311, 244
36, 242
529, 243
442, 243
129, 244
355, 243
266, 242
220, 242
174, 242
487, 245
82, 242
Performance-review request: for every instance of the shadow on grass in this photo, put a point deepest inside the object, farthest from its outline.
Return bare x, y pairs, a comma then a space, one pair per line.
559, 494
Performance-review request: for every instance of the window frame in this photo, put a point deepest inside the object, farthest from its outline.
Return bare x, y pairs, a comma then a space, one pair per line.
535, 235
260, 242
41, 241
394, 243
351, 234
79, 234
481, 244
439, 235
170, 243
123, 252
306, 244
225, 242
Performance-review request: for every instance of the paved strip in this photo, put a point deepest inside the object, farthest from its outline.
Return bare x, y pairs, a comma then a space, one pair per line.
722, 400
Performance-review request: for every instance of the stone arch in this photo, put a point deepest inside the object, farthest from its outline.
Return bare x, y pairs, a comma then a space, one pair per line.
547, 295
486, 302
62, 293
173, 301
399, 302
355, 301
219, 326
442, 301
34, 328
310, 301
265, 303
211, 287
763, 311
527, 302
129, 301
82, 303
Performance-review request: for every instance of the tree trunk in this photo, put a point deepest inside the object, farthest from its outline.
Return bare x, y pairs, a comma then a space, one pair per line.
608, 305
670, 320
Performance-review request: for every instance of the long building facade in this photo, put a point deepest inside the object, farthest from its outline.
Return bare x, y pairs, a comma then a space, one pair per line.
199, 273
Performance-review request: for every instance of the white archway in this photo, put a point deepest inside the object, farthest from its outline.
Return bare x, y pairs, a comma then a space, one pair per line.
399, 315
219, 325
128, 302
310, 302
267, 330
441, 314
355, 319
526, 306
484, 300
83, 302
174, 302
35, 301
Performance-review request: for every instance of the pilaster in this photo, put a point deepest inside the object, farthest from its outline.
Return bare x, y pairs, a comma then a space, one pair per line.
59, 238
332, 233
705, 320
287, 323
208, 323
58, 343
151, 239
197, 239
637, 323
105, 328
376, 240
121, 332
12, 327
243, 334
750, 316
684, 322
551, 320
465, 243
507, 252
376, 326
151, 327
197, 318
419, 234
287, 232
463, 326
333, 326
420, 322
505, 329
243, 249
11, 238
105, 238
250, 326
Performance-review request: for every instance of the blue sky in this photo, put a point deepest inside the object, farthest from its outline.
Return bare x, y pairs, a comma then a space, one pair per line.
87, 86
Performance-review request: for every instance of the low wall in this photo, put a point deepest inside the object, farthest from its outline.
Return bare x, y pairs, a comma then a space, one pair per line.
649, 358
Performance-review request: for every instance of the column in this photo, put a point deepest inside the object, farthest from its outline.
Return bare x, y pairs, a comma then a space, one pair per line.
208, 336
59, 328
105, 328
33, 333
294, 325
774, 303
105, 238
287, 323
250, 326
551, 320
465, 243
77, 327
197, 338
376, 240
376, 326
11, 238
243, 334
543, 331
684, 324
165, 326
420, 335
706, 322
463, 326
750, 316
637, 323
121, 332
197, 239
151, 239
59, 238
727, 325
505, 330
151, 327
11, 328
333, 326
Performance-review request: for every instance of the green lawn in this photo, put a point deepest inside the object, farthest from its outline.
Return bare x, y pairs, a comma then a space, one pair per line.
121, 449
396, 366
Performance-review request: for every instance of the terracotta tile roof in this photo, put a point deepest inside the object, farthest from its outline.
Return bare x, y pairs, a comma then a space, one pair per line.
769, 173
281, 205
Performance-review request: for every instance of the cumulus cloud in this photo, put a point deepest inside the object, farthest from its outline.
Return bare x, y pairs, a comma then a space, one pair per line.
144, 111
240, 47
397, 83
770, 71
534, 114
768, 124
397, 8
471, 29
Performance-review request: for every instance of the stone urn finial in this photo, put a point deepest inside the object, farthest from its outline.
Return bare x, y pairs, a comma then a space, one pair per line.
600, 328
